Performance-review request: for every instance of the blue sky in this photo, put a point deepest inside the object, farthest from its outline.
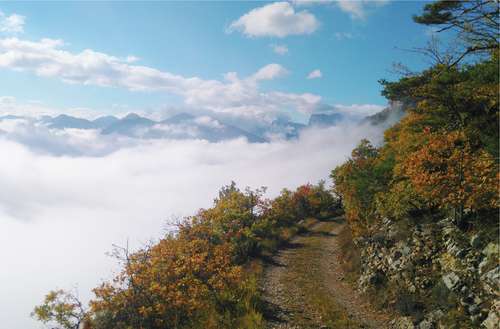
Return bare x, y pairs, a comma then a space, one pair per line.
352, 47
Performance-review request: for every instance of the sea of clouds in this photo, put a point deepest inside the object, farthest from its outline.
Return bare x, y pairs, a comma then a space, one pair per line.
61, 213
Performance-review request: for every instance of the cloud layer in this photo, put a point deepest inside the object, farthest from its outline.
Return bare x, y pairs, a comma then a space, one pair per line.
60, 214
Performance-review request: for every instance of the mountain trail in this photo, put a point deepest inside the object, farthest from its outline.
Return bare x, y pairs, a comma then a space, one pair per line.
304, 286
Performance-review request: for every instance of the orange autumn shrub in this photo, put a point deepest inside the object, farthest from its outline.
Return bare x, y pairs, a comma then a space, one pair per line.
176, 283
450, 174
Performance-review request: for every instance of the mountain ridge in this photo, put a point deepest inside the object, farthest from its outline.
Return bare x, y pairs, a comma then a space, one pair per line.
185, 125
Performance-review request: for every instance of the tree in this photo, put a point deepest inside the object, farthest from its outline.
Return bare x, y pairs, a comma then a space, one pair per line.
232, 218
476, 22
62, 308
454, 98
358, 181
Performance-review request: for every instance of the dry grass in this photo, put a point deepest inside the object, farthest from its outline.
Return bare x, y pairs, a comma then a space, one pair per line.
349, 254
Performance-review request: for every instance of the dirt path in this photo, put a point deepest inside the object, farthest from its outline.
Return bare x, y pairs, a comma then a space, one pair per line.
304, 286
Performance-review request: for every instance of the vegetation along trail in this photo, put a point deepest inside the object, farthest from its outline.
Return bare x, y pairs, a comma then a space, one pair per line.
305, 286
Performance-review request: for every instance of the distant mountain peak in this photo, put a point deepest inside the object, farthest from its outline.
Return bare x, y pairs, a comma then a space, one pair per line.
106, 117
132, 116
11, 117
324, 119
67, 121
65, 116
104, 121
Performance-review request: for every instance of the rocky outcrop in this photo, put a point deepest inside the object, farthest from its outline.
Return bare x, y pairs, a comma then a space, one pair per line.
432, 274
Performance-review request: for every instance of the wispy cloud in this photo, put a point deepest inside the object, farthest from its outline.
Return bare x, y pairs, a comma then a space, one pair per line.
279, 49
315, 74
11, 106
270, 72
359, 9
278, 19
304, 3
343, 35
12, 23
357, 110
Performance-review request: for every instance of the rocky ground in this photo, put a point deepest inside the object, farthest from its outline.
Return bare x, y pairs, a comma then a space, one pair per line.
304, 286
435, 275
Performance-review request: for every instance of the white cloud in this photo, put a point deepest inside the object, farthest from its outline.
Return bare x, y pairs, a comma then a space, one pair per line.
280, 49
13, 23
46, 58
209, 122
37, 134
303, 3
354, 8
270, 72
61, 214
254, 119
316, 74
131, 59
64, 142
7, 100
358, 9
278, 19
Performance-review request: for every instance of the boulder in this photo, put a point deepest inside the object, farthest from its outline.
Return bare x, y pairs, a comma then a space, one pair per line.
492, 321
473, 309
491, 281
482, 266
405, 251
451, 280
435, 315
425, 324
491, 249
491, 254
476, 241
